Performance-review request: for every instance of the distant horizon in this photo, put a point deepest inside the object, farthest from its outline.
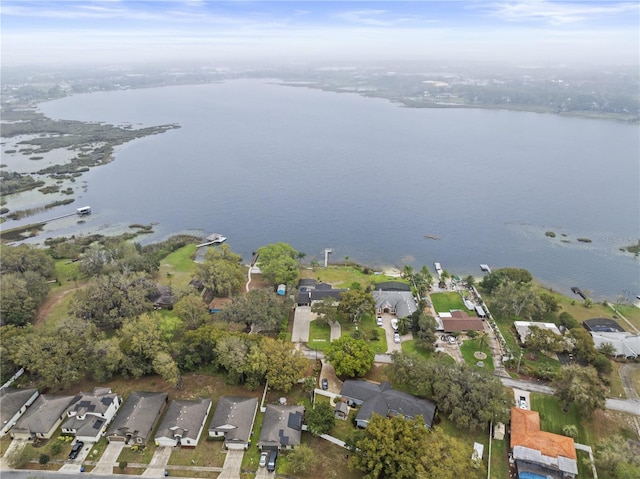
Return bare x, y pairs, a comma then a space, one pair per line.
123, 32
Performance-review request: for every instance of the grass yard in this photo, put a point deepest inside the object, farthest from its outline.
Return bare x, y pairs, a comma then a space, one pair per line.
470, 347
208, 453
616, 389
411, 347
499, 459
178, 268
319, 335
140, 456
444, 302
344, 276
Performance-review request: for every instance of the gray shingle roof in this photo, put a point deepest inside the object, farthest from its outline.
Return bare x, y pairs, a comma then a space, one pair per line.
382, 399
138, 414
234, 417
281, 426
402, 301
12, 400
43, 414
184, 418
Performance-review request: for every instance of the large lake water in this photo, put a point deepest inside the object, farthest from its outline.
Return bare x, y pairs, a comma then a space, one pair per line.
261, 163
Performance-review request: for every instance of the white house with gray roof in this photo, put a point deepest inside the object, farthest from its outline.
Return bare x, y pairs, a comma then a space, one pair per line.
91, 413
13, 404
137, 417
624, 344
233, 419
183, 423
281, 427
42, 418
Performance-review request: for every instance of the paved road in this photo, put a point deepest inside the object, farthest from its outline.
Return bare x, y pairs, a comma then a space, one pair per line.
630, 406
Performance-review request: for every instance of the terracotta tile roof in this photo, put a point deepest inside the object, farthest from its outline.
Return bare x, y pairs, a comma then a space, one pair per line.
525, 431
452, 325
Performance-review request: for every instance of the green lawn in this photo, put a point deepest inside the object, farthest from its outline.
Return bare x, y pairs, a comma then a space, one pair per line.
553, 418
499, 459
411, 347
344, 276
178, 268
443, 302
319, 335
470, 346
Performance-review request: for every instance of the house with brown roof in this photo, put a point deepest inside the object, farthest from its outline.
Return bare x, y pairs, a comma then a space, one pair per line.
540, 452
460, 321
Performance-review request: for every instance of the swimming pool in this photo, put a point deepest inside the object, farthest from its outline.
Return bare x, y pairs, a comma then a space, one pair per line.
530, 475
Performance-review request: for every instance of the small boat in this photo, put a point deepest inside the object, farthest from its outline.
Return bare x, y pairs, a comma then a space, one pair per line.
485, 268
85, 210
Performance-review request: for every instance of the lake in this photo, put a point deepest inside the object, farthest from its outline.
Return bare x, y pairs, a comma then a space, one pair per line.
379, 183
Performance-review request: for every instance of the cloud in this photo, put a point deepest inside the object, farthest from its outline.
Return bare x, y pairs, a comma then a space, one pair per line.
556, 13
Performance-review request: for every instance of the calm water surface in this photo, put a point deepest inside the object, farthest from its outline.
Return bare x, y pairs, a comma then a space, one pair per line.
261, 163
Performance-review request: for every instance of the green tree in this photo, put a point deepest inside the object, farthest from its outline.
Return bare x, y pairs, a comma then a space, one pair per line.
516, 298
106, 359
108, 300
278, 263
140, 342
355, 302
326, 309
580, 385
402, 448
321, 419
494, 279
301, 459
57, 356
23, 258
350, 357
197, 348
259, 309
222, 271
616, 459
18, 306
231, 353
192, 310
166, 367
607, 349
285, 364
256, 366
583, 345
540, 339
570, 430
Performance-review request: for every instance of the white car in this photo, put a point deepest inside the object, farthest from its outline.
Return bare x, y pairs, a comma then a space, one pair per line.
394, 323
396, 337
379, 320
263, 459
523, 404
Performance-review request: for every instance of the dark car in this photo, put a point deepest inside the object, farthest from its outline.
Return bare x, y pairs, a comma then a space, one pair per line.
325, 384
271, 464
75, 450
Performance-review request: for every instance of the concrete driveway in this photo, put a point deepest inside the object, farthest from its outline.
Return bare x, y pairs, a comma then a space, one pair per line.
232, 465
328, 371
109, 458
301, 319
388, 330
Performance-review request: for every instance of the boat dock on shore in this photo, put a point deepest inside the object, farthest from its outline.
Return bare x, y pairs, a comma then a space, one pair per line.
214, 238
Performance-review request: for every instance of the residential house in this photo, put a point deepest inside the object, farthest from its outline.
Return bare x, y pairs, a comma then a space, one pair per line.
399, 303
539, 452
91, 413
624, 344
457, 321
383, 400
281, 427
42, 418
137, 417
233, 419
309, 290
13, 404
524, 328
163, 298
183, 423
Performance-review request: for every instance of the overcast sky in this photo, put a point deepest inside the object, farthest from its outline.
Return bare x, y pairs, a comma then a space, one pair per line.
122, 31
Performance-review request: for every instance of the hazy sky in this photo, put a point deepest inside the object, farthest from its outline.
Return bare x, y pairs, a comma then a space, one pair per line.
122, 31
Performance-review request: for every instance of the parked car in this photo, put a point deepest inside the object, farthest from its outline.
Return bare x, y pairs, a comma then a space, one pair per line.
325, 384
75, 450
396, 337
394, 323
271, 464
379, 320
523, 403
263, 459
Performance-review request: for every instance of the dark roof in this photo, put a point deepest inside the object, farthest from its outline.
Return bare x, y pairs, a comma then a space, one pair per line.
386, 401
184, 418
234, 416
602, 325
281, 426
138, 414
307, 282
43, 414
392, 286
12, 400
